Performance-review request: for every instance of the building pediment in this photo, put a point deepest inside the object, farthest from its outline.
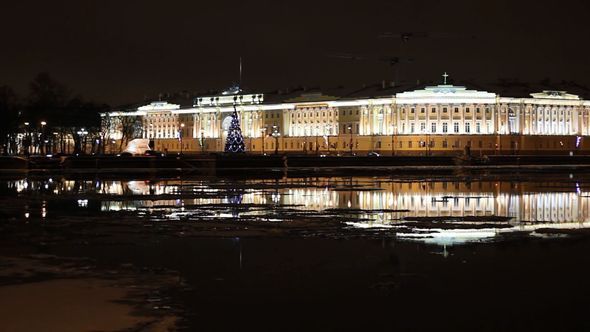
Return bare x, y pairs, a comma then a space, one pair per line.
551, 94
445, 94
311, 97
158, 106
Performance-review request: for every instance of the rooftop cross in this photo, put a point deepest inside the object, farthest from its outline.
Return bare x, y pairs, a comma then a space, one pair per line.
445, 75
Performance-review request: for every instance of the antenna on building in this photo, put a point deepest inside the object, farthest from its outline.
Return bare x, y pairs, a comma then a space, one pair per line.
240, 79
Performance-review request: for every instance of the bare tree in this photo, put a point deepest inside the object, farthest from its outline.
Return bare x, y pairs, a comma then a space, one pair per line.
9, 114
106, 129
130, 127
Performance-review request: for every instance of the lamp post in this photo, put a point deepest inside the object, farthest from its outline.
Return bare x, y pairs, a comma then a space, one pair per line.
263, 132
54, 139
202, 141
497, 130
42, 137
393, 133
350, 130
151, 135
426, 141
82, 133
276, 134
429, 142
328, 127
27, 140
316, 140
180, 136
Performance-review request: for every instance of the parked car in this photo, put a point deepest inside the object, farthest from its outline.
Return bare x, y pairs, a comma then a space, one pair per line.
373, 154
124, 154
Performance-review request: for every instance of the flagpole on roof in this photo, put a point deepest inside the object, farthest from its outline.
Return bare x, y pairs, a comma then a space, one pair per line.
240, 79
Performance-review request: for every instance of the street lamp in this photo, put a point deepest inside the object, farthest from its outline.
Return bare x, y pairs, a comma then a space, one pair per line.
429, 142
328, 127
180, 136
42, 137
202, 141
316, 139
426, 141
393, 134
82, 133
263, 132
350, 130
27, 139
276, 134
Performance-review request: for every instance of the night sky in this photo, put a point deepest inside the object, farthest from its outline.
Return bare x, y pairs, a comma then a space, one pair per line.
120, 51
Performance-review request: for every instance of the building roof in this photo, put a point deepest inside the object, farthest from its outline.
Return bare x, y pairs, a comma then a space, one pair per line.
467, 90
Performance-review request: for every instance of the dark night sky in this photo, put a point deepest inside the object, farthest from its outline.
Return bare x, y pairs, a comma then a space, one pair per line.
119, 51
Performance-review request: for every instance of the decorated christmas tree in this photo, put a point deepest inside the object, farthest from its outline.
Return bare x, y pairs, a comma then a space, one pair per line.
235, 141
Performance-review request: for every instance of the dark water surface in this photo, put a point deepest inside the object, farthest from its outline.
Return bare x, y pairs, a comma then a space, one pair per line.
488, 253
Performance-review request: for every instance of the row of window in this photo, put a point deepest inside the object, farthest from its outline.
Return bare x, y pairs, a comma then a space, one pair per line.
445, 144
310, 114
445, 127
445, 110
317, 114
272, 115
311, 122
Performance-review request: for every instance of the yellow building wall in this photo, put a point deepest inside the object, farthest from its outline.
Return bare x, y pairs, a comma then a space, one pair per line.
387, 145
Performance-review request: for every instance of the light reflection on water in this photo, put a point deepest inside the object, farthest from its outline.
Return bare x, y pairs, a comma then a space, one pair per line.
432, 211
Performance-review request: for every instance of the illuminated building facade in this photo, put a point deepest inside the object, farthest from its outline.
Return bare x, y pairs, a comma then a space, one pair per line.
441, 119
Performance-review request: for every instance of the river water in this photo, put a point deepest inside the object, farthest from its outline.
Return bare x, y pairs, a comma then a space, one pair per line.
412, 252
440, 210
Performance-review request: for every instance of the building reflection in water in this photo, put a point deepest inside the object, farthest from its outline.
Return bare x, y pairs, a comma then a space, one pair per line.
367, 202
